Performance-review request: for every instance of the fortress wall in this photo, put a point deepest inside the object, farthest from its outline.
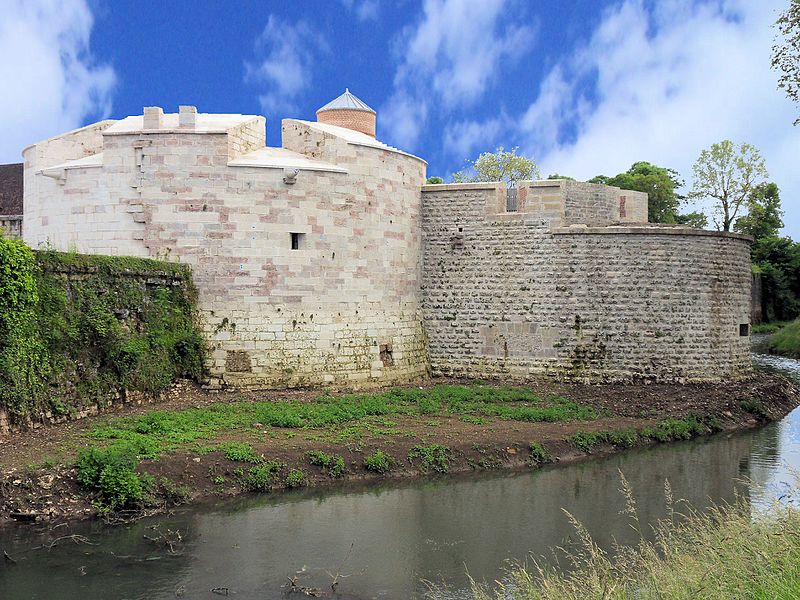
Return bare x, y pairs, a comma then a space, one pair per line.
504, 295
342, 310
44, 196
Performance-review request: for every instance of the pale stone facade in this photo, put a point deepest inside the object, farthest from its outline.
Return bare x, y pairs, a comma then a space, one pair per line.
327, 262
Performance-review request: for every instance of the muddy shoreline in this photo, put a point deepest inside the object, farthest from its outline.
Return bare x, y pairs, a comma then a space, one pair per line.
37, 479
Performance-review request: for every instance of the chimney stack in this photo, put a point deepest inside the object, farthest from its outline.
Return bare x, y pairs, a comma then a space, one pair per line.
153, 116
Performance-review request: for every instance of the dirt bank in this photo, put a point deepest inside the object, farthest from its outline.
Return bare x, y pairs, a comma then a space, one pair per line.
37, 476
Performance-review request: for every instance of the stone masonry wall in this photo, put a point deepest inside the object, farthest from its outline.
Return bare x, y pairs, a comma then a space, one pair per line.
506, 295
342, 310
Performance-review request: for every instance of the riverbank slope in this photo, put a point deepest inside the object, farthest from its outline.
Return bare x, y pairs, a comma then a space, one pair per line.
196, 444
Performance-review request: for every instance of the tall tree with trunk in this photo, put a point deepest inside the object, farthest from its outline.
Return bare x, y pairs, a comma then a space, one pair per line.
727, 174
786, 53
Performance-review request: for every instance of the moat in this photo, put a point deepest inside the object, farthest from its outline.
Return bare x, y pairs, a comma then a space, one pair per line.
404, 537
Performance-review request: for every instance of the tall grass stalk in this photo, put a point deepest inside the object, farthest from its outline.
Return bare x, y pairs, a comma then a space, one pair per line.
726, 551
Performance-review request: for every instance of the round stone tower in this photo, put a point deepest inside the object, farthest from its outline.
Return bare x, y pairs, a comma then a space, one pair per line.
350, 112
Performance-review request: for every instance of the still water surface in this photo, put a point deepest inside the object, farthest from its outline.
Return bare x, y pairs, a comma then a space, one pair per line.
402, 535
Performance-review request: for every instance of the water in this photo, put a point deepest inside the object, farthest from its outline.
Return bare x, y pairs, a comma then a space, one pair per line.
401, 535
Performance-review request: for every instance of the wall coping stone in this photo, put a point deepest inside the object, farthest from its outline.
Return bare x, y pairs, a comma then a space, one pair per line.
654, 229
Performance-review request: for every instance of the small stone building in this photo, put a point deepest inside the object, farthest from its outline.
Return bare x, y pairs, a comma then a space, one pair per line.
11, 197
329, 262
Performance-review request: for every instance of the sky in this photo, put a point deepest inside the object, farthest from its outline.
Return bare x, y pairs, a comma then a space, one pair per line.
584, 87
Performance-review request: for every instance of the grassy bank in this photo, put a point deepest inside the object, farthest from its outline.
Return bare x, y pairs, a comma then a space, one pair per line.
200, 444
786, 341
725, 552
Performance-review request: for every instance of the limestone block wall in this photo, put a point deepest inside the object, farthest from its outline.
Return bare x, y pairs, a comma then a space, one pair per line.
507, 295
45, 197
341, 309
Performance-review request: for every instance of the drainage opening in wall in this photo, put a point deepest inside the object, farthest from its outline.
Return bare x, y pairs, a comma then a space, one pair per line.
386, 355
744, 329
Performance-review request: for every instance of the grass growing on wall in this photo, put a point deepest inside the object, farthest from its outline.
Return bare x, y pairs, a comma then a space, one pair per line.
76, 329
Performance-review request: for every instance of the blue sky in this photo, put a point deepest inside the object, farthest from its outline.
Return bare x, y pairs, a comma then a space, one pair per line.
584, 87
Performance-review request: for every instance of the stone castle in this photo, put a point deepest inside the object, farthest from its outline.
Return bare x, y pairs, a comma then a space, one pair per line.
329, 261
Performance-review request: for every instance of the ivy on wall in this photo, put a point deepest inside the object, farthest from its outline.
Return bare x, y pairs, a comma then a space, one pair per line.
78, 329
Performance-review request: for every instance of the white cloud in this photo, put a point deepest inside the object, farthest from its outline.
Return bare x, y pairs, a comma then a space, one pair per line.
462, 138
365, 10
666, 84
448, 59
285, 60
52, 82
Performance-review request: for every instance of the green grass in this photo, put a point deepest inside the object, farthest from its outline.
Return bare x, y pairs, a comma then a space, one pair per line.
787, 341
725, 552
667, 430
165, 430
768, 327
431, 457
538, 453
296, 478
332, 463
240, 452
263, 477
379, 462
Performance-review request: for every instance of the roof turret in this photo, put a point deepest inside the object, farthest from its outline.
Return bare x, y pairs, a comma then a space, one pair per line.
346, 101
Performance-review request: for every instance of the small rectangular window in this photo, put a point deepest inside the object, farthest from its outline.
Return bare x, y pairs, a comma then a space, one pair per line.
744, 329
297, 240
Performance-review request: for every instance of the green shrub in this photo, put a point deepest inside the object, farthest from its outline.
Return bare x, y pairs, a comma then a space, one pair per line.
379, 462
538, 453
240, 451
434, 457
112, 472
262, 477
332, 463
296, 478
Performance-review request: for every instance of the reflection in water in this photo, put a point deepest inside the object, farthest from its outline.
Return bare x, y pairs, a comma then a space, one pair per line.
401, 534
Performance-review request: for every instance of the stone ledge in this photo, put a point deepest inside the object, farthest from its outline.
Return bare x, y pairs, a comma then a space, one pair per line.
648, 230
449, 187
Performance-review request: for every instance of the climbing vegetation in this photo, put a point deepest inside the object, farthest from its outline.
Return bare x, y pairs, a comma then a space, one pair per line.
77, 330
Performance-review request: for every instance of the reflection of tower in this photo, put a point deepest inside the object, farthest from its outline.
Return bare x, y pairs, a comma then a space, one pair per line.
350, 112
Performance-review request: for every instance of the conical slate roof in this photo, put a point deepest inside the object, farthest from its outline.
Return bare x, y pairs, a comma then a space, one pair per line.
346, 101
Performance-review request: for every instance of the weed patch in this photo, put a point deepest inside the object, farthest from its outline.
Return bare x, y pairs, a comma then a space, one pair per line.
296, 478
333, 463
379, 462
112, 473
240, 452
435, 457
538, 453
263, 477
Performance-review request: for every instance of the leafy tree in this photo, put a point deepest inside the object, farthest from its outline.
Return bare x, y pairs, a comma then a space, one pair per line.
659, 183
692, 219
557, 176
499, 165
778, 259
764, 212
727, 175
786, 55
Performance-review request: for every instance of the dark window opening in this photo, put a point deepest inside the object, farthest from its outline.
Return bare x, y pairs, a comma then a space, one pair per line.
744, 329
297, 240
